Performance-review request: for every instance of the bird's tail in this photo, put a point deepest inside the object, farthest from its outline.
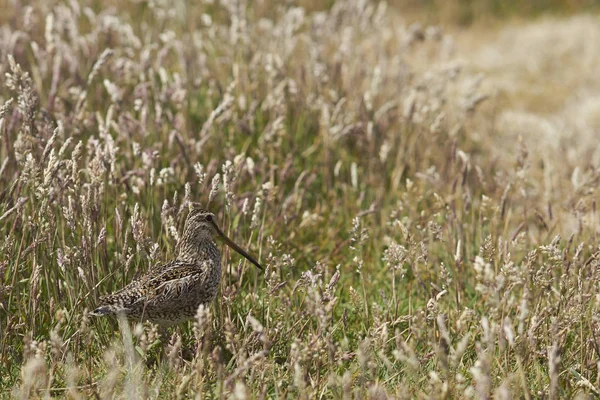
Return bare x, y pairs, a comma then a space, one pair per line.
101, 311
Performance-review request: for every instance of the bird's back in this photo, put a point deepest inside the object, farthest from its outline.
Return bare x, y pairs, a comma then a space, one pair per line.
169, 293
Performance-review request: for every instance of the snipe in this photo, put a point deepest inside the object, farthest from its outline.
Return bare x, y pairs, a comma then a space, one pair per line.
171, 293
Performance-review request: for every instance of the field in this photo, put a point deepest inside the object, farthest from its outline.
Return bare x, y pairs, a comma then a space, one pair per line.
423, 197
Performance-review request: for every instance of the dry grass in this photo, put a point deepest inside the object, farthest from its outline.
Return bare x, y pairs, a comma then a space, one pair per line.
415, 246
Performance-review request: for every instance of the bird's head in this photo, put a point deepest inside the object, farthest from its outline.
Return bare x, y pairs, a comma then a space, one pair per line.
201, 222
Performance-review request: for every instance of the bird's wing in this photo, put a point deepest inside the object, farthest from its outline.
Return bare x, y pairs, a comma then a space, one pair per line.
176, 280
148, 286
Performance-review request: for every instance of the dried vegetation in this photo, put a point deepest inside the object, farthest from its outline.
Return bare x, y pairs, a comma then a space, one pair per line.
410, 251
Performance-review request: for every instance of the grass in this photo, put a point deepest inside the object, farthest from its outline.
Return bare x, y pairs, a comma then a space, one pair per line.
412, 248
464, 13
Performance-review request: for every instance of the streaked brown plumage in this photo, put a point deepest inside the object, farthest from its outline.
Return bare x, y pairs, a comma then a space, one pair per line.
171, 293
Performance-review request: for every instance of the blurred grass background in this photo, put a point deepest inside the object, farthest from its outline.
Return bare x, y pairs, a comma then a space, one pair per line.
447, 176
468, 12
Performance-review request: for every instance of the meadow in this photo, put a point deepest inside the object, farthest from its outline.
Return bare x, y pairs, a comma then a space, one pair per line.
424, 205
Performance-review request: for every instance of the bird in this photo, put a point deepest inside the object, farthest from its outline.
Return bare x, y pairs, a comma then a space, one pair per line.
169, 294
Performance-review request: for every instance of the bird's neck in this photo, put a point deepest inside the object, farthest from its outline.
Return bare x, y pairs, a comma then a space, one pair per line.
194, 247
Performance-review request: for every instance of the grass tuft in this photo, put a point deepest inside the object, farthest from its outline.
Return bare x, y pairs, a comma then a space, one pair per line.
412, 248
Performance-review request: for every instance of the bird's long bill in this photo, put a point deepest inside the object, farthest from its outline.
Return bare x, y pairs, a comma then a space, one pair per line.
237, 248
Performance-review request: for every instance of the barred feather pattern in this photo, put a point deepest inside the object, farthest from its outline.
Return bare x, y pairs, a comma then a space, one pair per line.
171, 293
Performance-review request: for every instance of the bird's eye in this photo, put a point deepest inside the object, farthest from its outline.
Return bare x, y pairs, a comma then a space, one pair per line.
209, 218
